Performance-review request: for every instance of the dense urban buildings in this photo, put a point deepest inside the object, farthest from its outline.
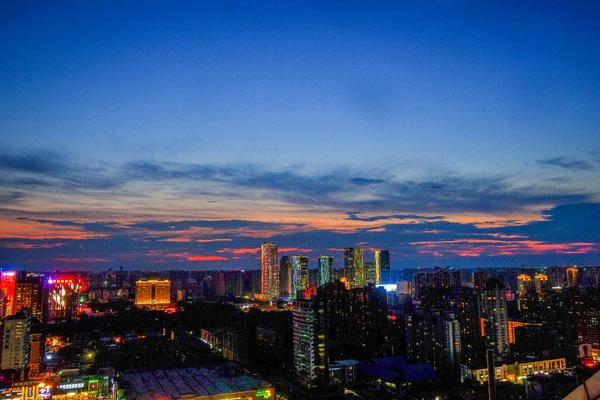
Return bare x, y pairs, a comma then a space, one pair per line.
377, 332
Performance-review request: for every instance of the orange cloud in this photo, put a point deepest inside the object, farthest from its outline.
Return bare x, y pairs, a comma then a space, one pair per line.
31, 245
213, 240
478, 247
81, 260
206, 258
238, 251
295, 250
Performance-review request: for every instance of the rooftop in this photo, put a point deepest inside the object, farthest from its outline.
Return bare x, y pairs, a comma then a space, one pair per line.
185, 382
392, 368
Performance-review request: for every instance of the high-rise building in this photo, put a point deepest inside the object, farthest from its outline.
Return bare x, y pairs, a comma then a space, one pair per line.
465, 303
572, 276
541, 283
354, 266
62, 296
233, 283
479, 279
285, 276
309, 344
269, 271
523, 283
15, 340
496, 316
36, 352
299, 275
383, 268
325, 271
153, 293
370, 272
30, 295
8, 279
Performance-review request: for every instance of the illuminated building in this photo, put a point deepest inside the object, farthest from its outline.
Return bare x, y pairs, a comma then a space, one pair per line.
285, 275
354, 266
153, 293
15, 340
541, 282
30, 295
36, 353
269, 271
588, 328
382, 266
84, 387
31, 390
496, 311
310, 353
514, 372
572, 276
299, 275
404, 287
325, 271
8, 279
514, 324
62, 296
523, 283
192, 384
370, 272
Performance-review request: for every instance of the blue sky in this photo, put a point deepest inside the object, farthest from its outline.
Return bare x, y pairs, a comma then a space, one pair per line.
309, 117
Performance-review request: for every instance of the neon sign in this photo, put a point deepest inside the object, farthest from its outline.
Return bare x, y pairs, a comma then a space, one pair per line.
67, 386
264, 393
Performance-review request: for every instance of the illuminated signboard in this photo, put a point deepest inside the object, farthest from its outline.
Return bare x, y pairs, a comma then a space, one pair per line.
265, 394
69, 386
389, 287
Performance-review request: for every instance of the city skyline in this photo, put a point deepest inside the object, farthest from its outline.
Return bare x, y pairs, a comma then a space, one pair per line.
183, 137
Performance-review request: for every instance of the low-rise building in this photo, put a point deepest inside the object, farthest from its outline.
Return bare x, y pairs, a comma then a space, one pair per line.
514, 372
192, 384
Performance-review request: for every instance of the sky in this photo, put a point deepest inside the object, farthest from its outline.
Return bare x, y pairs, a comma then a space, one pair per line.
183, 135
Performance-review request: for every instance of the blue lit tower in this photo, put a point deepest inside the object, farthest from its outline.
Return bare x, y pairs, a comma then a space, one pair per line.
382, 266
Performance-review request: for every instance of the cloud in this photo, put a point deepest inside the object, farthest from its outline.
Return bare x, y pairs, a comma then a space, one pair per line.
354, 217
564, 162
43, 162
568, 234
365, 181
335, 190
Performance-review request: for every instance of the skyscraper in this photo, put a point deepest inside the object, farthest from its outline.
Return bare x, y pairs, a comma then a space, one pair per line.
325, 270
354, 266
382, 266
285, 275
269, 271
299, 275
